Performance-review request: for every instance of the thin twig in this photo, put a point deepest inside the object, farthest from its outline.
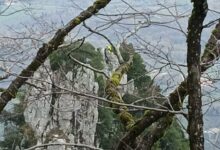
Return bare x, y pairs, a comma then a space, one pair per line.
88, 66
65, 144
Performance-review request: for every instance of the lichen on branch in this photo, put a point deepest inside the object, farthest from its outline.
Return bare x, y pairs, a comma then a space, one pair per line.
113, 94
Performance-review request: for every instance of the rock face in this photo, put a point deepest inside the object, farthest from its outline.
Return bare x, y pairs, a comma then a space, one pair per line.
111, 63
56, 114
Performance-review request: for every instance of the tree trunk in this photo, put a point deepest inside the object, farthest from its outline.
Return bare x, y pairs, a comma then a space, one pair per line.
195, 124
177, 96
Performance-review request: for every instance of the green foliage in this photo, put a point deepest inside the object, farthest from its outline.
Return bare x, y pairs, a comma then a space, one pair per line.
101, 82
128, 99
86, 54
16, 131
137, 71
12, 138
174, 139
109, 130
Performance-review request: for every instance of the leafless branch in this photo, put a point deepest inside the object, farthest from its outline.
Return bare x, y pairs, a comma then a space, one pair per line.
64, 144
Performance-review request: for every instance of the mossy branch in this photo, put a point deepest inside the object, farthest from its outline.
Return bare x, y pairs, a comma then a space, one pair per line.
211, 52
113, 94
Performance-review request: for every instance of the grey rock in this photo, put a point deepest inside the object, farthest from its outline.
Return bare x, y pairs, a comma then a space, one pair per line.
58, 116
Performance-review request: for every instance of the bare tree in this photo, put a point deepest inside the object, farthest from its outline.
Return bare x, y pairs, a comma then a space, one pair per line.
195, 126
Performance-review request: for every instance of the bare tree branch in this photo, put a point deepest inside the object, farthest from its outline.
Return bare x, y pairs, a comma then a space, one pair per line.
47, 49
65, 144
89, 67
210, 56
119, 104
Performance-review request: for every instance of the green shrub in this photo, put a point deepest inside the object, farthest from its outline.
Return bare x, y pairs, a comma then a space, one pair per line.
86, 54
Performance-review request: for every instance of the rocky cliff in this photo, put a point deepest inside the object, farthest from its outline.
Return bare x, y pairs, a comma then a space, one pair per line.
55, 113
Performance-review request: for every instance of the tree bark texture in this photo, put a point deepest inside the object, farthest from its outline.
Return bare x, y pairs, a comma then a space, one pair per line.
156, 133
195, 115
113, 94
